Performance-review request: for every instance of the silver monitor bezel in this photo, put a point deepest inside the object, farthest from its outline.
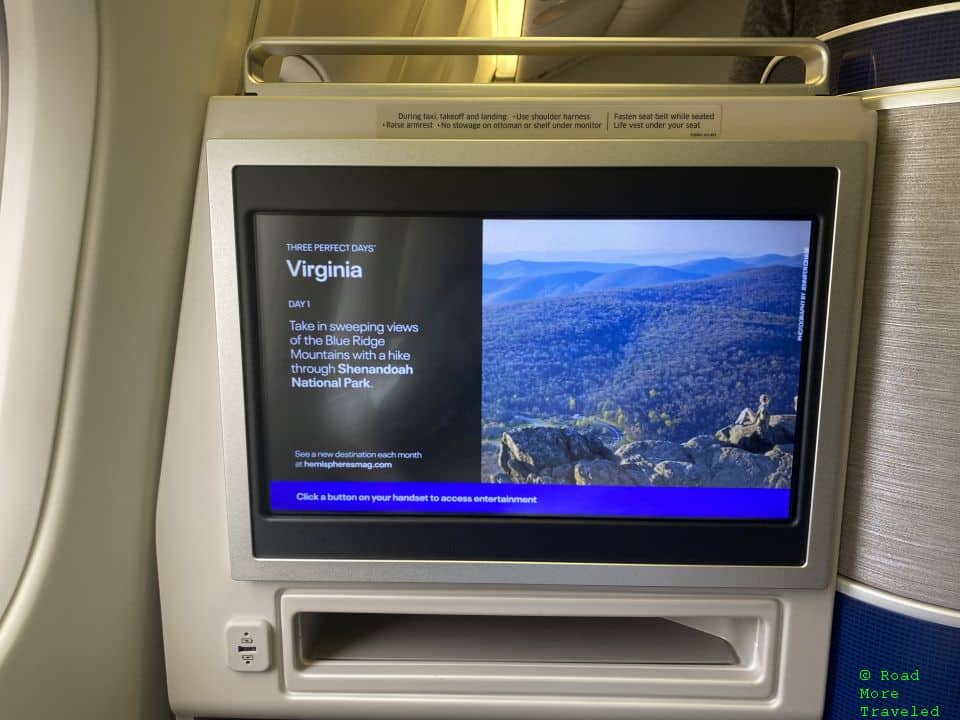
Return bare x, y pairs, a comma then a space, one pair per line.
839, 349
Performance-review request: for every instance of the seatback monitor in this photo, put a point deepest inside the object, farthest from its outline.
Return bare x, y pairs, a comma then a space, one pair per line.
632, 368
619, 363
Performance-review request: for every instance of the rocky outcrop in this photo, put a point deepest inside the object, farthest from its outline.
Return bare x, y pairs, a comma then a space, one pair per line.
736, 467
680, 472
737, 456
759, 437
534, 454
651, 450
606, 472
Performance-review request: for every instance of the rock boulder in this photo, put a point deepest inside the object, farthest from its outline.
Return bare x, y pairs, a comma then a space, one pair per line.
756, 438
737, 456
548, 452
675, 472
605, 472
653, 451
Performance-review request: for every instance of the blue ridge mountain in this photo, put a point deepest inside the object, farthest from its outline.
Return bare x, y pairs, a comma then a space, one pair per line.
521, 280
640, 277
503, 290
713, 266
532, 268
774, 259
675, 360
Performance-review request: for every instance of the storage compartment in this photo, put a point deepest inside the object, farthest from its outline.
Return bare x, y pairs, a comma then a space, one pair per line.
524, 643
497, 638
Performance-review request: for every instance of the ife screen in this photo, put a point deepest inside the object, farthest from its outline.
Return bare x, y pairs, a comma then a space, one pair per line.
608, 368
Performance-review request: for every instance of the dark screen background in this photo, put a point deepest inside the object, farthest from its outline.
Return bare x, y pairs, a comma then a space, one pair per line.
425, 270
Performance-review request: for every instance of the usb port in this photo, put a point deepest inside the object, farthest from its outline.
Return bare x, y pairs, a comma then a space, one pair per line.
246, 648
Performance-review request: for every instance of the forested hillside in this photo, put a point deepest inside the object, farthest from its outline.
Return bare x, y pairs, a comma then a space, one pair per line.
669, 362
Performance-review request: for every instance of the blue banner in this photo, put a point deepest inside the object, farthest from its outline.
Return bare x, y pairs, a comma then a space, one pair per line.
427, 498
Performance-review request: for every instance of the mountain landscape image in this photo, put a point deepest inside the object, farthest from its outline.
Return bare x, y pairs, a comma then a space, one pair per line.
627, 372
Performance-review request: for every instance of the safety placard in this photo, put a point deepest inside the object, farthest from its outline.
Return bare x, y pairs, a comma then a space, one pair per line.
554, 120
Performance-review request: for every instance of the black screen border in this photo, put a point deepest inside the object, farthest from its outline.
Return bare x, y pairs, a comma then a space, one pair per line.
735, 193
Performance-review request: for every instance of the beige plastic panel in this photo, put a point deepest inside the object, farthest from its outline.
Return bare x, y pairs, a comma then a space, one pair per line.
784, 679
81, 637
671, 659
43, 165
580, 18
786, 674
641, 17
901, 531
400, 18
